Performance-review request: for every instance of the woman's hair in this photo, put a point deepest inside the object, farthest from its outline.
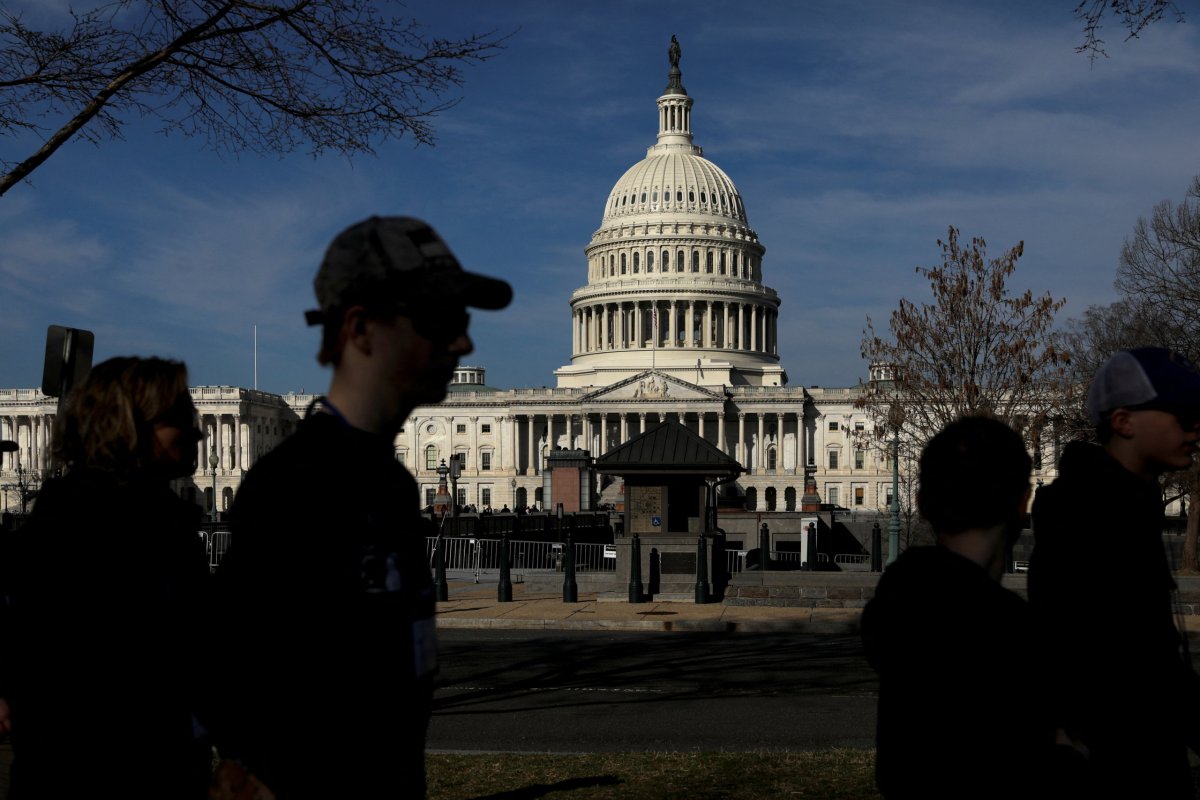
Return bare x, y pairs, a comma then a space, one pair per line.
107, 421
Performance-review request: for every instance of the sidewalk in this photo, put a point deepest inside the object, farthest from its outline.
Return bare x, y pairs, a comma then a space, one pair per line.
475, 606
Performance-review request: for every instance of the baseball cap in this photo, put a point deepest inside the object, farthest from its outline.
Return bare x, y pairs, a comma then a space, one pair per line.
397, 261
1145, 377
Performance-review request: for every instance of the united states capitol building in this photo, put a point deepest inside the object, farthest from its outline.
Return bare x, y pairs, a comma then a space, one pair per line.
675, 321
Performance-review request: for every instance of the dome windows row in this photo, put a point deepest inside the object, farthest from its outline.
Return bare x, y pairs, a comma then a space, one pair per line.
723, 202
709, 262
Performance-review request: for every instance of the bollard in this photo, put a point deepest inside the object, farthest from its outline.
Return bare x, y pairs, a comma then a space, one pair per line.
439, 570
504, 588
570, 590
876, 548
702, 594
635, 569
811, 546
764, 547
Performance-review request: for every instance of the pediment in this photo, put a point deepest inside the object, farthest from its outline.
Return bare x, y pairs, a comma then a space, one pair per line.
653, 386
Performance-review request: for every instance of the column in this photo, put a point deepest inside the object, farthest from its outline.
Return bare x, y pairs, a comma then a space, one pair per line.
801, 442
6, 433
639, 340
741, 335
725, 325
641, 422
754, 327
246, 457
741, 445
604, 327
721, 431
603, 433
780, 452
624, 427
691, 323
707, 337
530, 452
671, 328
700, 424
760, 457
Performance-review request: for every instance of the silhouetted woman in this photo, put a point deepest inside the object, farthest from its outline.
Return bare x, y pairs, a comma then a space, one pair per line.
105, 587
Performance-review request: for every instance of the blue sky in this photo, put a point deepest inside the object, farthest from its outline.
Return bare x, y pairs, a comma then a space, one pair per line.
856, 133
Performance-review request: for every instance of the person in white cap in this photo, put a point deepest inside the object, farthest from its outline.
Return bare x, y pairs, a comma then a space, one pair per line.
327, 654
1100, 584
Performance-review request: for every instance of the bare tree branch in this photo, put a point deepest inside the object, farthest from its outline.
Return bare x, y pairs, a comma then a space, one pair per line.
258, 75
1133, 15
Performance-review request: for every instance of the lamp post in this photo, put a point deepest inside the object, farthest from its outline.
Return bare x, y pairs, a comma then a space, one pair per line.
894, 520
442, 500
213, 461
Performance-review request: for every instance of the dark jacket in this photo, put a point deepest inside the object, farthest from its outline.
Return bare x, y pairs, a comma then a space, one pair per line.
1100, 588
326, 648
958, 711
106, 586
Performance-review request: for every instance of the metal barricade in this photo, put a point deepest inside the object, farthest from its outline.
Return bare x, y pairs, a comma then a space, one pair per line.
218, 543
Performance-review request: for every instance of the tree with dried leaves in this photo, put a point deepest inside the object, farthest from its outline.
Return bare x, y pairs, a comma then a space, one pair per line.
1133, 15
244, 75
977, 348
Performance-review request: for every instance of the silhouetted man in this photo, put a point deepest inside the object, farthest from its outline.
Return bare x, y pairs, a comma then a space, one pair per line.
957, 700
327, 647
1100, 585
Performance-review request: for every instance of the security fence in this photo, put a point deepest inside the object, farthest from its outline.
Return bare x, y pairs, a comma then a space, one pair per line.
480, 555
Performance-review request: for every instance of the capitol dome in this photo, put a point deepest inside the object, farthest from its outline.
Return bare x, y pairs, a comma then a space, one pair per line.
674, 271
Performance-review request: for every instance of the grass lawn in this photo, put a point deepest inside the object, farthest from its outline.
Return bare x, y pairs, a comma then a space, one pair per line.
833, 774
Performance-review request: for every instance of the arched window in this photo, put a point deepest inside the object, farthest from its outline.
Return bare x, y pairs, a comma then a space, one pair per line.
770, 497
666, 260
650, 261
772, 454
679, 196
751, 499
722, 265
703, 198
622, 263
691, 195
431, 457
708, 262
695, 261
636, 260
643, 196
680, 261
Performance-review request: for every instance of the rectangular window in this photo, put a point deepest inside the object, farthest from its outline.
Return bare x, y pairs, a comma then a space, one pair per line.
858, 426
462, 495
429, 495
485, 496
485, 460
485, 428
887, 493
833, 495
860, 494
833, 459
833, 426
460, 428
858, 459
431, 458
401, 457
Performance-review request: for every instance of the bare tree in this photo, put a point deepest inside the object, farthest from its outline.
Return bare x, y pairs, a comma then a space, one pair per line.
975, 349
1133, 15
244, 75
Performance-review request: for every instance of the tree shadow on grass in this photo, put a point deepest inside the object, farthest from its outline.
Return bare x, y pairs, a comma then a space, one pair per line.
542, 789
